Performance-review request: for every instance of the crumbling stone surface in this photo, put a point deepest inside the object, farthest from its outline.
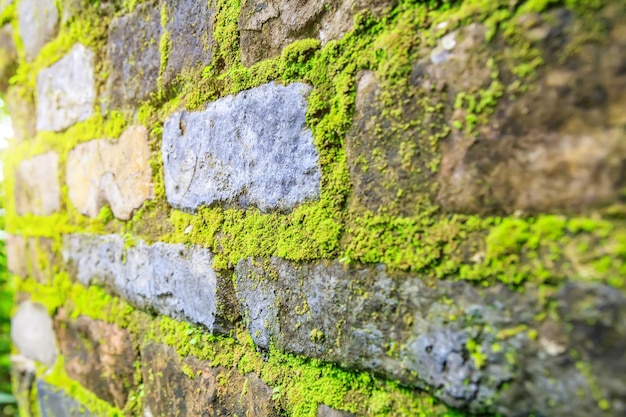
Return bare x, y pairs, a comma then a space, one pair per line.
118, 173
36, 187
39, 24
8, 56
54, 402
190, 28
32, 333
66, 90
266, 27
172, 279
203, 394
250, 149
98, 355
451, 337
133, 56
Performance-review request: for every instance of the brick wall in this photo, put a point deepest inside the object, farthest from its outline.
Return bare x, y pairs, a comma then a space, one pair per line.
309, 208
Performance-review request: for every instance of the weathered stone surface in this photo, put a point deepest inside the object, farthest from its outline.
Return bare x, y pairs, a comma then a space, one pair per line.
266, 27
557, 144
21, 107
558, 147
325, 411
98, 355
118, 173
66, 90
171, 279
447, 336
133, 55
36, 187
8, 56
190, 27
32, 333
39, 24
250, 149
54, 402
203, 394
23, 372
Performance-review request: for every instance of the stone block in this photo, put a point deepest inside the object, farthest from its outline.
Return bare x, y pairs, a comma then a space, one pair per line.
266, 27
32, 333
100, 356
55, 402
190, 28
118, 173
448, 336
23, 371
66, 90
253, 148
204, 394
21, 108
8, 56
36, 187
133, 55
171, 279
16, 255
39, 24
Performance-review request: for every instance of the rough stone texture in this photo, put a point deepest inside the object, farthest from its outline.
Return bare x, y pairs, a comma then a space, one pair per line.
21, 108
204, 394
266, 27
252, 149
54, 402
32, 333
118, 173
36, 186
98, 355
133, 55
39, 24
23, 372
8, 56
171, 279
451, 337
325, 411
567, 153
66, 90
190, 27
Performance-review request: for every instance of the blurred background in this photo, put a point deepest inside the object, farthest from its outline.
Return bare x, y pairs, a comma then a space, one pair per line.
7, 401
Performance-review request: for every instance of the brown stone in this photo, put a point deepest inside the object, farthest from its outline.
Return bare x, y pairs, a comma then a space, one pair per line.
37, 188
98, 355
212, 391
556, 144
266, 27
559, 147
117, 173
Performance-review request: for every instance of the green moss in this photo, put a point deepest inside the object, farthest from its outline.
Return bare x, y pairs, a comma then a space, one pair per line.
59, 378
